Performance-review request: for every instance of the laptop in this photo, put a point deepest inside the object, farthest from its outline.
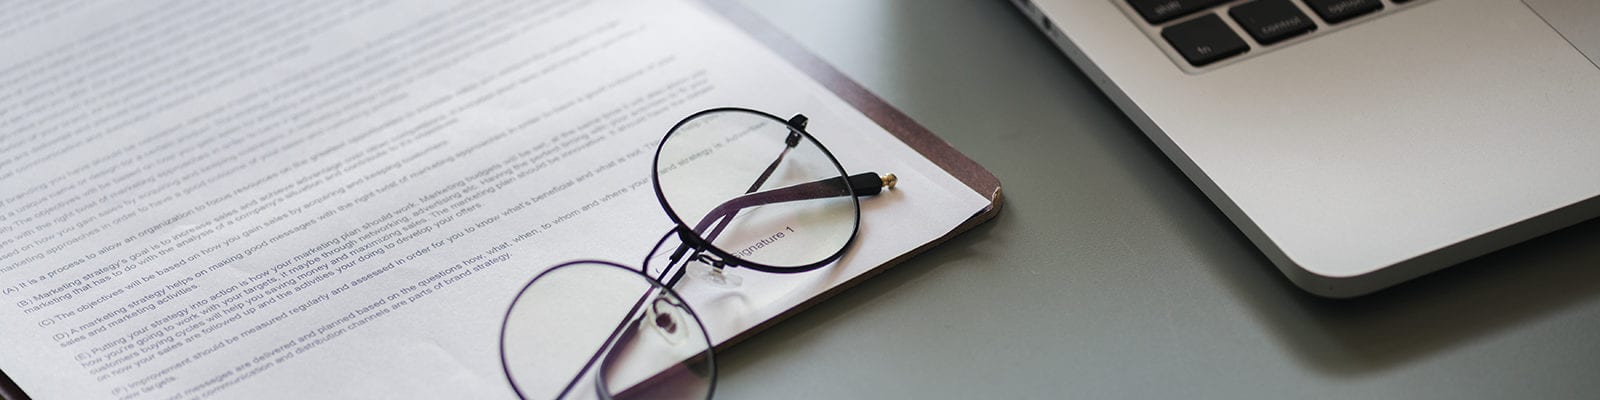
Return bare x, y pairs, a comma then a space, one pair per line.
1359, 143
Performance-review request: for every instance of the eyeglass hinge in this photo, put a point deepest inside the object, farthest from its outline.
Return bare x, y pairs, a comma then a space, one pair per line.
798, 121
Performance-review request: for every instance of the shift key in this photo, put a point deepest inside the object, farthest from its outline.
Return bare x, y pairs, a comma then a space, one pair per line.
1204, 40
1158, 11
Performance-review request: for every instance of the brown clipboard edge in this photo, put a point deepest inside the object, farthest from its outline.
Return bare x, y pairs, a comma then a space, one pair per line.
891, 119
901, 126
9, 390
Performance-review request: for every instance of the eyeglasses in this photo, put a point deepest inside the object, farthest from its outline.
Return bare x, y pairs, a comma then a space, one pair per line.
745, 189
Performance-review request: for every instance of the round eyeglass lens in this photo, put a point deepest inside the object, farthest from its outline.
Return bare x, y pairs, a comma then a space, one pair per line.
754, 188
597, 330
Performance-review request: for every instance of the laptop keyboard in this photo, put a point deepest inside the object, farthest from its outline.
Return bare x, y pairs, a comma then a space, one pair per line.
1200, 30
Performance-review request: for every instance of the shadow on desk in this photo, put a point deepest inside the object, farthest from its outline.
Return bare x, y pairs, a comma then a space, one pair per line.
1445, 309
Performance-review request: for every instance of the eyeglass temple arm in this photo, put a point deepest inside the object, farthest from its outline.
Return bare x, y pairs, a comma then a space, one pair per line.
863, 184
623, 331
797, 121
789, 143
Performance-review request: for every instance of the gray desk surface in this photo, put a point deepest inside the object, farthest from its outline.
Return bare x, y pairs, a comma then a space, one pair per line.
1109, 275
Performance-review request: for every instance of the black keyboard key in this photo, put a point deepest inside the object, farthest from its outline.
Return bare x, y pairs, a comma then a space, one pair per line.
1158, 11
1272, 21
1336, 11
1204, 40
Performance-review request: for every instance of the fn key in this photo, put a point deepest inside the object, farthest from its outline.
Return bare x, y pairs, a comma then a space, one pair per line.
1204, 40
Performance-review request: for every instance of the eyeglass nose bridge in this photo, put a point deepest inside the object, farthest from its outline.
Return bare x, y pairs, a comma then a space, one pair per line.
708, 259
697, 250
704, 265
689, 246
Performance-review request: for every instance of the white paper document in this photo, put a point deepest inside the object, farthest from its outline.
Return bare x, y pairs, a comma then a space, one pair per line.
334, 199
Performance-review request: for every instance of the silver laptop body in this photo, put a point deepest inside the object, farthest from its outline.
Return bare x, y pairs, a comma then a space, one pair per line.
1359, 147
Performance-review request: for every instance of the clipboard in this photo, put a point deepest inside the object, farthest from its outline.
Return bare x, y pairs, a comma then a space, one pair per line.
905, 129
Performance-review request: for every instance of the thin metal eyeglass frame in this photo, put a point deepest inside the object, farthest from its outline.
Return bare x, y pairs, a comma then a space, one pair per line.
693, 239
